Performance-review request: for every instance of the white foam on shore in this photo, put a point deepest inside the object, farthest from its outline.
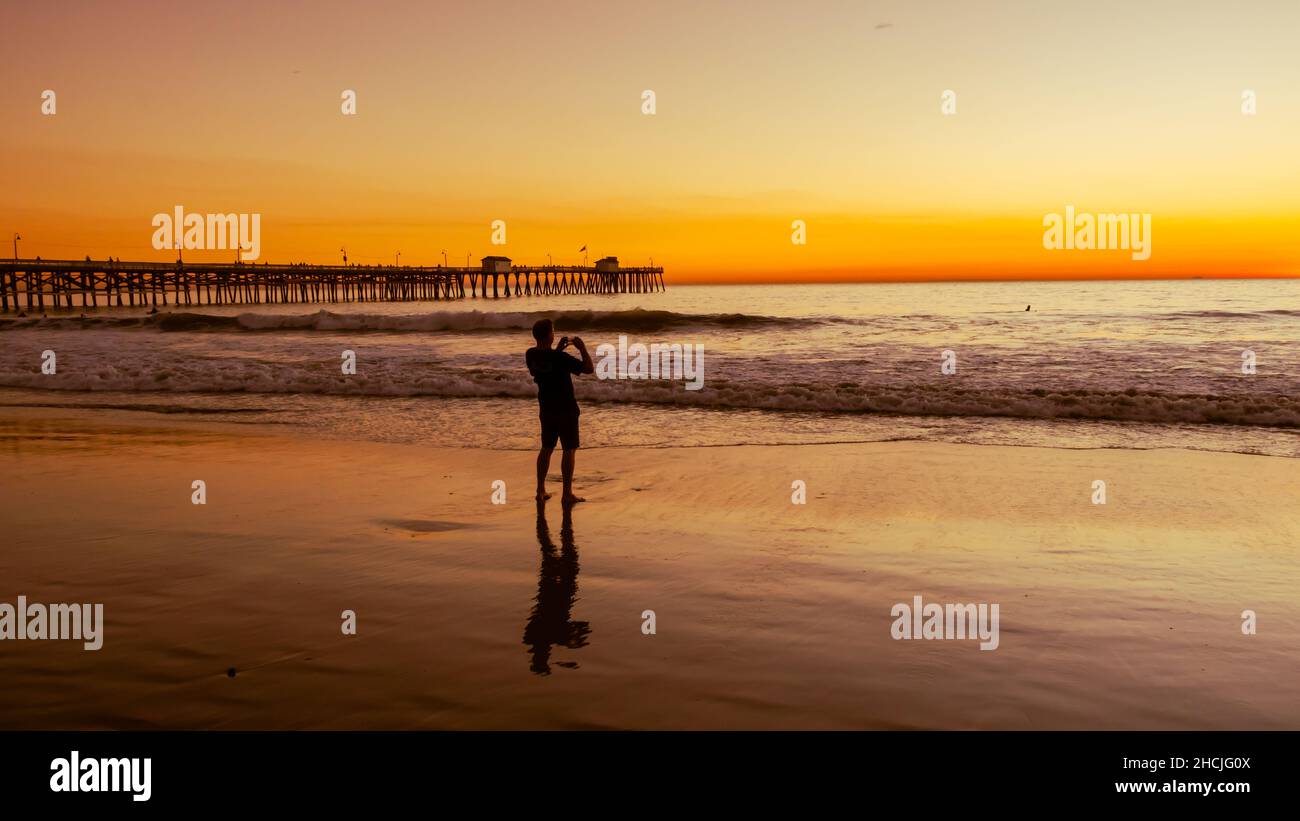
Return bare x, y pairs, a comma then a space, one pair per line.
399, 378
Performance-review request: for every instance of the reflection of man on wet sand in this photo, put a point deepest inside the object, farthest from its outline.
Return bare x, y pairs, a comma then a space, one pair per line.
557, 588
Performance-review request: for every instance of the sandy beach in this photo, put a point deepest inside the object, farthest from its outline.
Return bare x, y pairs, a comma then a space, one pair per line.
768, 614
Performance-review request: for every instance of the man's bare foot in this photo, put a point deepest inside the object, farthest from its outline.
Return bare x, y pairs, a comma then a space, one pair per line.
572, 500
542, 496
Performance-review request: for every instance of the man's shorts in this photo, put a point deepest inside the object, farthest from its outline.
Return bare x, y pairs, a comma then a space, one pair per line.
563, 428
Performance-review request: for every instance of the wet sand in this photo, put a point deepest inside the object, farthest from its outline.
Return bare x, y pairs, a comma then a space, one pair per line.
768, 614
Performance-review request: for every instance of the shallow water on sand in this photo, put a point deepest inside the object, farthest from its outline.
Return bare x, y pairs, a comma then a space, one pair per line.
472, 614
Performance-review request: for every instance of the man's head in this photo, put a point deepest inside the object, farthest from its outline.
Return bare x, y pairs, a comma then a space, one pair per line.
544, 332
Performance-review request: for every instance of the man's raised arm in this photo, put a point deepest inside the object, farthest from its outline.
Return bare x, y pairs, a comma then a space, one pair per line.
587, 365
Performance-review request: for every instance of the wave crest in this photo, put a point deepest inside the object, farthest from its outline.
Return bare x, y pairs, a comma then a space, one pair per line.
1268, 409
634, 319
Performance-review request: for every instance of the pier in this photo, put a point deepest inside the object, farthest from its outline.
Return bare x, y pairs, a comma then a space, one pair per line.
38, 284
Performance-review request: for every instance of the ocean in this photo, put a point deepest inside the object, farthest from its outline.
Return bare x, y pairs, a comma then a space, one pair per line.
1128, 365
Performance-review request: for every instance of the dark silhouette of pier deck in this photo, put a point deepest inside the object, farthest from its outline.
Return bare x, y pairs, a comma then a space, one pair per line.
35, 283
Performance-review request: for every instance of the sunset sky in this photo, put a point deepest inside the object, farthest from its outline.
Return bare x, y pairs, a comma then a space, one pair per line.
767, 112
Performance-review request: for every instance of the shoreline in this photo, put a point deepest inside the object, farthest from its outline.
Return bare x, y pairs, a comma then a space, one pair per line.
246, 419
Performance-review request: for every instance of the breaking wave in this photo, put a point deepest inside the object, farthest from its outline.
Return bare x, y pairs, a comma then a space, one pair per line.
636, 319
935, 400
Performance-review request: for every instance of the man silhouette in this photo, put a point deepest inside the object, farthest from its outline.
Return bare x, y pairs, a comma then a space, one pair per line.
553, 371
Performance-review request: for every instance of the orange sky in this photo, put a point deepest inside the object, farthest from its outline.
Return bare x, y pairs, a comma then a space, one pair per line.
766, 113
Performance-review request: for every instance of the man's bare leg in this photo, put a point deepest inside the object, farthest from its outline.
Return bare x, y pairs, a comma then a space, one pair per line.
566, 469
543, 467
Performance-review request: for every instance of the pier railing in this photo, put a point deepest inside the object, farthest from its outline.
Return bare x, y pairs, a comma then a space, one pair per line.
35, 284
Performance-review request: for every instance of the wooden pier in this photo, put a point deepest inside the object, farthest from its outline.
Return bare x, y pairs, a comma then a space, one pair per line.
37, 284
